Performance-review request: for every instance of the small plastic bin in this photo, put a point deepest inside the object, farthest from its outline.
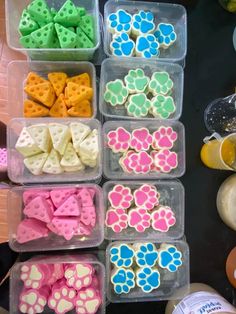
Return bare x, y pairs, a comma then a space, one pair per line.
114, 68
163, 13
52, 241
173, 285
19, 174
18, 71
14, 10
16, 284
171, 195
111, 167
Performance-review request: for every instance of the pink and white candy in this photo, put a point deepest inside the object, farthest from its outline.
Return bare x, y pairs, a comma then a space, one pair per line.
33, 301
163, 218
116, 219
146, 196
140, 219
79, 275
119, 140
120, 197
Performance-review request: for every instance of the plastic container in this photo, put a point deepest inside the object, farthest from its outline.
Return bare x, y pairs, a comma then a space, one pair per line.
14, 9
18, 71
112, 169
19, 174
52, 242
163, 13
173, 285
171, 194
16, 285
114, 68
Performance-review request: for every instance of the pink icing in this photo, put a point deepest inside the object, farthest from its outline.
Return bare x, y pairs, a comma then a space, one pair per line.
166, 160
141, 139
140, 219
120, 197
140, 162
146, 197
163, 219
116, 219
164, 137
119, 140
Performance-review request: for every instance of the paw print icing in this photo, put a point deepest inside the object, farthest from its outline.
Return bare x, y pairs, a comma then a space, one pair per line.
170, 258
141, 139
166, 160
119, 22
138, 105
139, 162
33, 301
162, 106
124, 161
119, 140
143, 23
116, 93
163, 219
160, 83
122, 45
140, 219
148, 279
146, 197
61, 300
123, 280
146, 255
164, 138
116, 219
79, 275
165, 35
87, 301
136, 81
122, 255
147, 46
120, 197
35, 276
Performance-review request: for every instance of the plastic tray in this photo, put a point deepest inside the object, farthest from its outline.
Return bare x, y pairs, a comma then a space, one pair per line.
16, 285
52, 242
14, 9
163, 13
111, 167
19, 174
171, 194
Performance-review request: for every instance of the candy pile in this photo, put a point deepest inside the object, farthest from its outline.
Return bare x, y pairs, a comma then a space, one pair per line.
63, 287
138, 35
67, 212
141, 95
69, 27
47, 148
59, 96
137, 265
139, 209
142, 152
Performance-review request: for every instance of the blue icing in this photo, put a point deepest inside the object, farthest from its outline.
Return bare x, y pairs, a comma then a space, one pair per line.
147, 46
122, 256
143, 44
165, 34
170, 259
146, 255
123, 281
112, 17
124, 17
126, 252
143, 22
148, 279
166, 29
122, 45
120, 21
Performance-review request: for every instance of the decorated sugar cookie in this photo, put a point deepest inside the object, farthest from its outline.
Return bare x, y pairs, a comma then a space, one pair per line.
139, 218
141, 139
120, 197
62, 299
160, 83
170, 257
119, 21
148, 279
136, 81
119, 140
139, 162
147, 46
143, 23
116, 219
33, 301
163, 219
166, 160
164, 138
123, 280
124, 161
162, 106
79, 275
122, 255
165, 35
146, 197
116, 93
138, 105
146, 254
35, 276
122, 45
87, 301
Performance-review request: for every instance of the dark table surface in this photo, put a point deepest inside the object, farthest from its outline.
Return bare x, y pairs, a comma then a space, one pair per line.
210, 73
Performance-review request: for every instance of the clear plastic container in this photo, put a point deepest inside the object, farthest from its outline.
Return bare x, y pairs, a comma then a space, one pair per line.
15, 208
114, 68
14, 10
163, 13
16, 285
19, 174
112, 169
171, 194
18, 71
173, 285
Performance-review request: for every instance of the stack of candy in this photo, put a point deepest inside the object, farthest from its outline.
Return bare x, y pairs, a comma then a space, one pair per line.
141, 265
59, 96
61, 287
66, 212
142, 152
44, 27
139, 209
138, 34
142, 96
47, 148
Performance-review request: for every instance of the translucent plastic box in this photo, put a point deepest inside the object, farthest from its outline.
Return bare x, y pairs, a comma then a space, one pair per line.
14, 10
173, 285
19, 174
163, 13
18, 71
15, 208
171, 195
16, 285
111, 167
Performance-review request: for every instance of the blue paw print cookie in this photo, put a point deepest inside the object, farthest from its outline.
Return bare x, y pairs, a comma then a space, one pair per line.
119, 22
122, 255
123, 280
170, 258
143, 23
122, 45
148, 279
165, 35
146, 255
147, 46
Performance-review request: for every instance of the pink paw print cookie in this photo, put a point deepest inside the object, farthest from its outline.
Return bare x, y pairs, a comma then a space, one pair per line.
62, 299
116, 219
35, 275
33, 301
140, 219
87, 301
140, 162
163, 218
141, 139
120, 197
166, 160
124, 161
119, 140
79, 275
164, 138
146, 197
